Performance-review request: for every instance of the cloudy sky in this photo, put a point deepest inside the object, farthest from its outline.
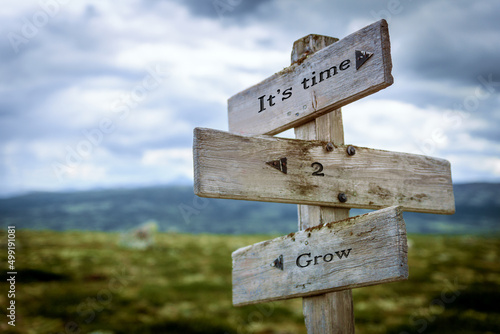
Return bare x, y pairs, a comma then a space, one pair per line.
99, 94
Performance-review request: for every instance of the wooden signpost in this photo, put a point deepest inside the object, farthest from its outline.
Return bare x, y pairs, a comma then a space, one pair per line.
331, 253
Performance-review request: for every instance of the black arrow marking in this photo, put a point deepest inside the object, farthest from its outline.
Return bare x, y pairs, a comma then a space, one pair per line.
278, 263
279, 164
362, 57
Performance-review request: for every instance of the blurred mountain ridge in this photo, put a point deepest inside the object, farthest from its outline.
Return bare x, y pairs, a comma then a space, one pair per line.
177, 209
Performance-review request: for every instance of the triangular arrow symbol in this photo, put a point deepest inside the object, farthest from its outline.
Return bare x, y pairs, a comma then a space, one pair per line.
362, 57
278, 263
279, 164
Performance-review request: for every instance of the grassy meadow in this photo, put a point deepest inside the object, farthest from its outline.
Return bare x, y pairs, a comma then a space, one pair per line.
86, 282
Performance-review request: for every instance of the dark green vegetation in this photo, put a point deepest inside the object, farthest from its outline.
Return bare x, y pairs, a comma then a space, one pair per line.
88, 283
177, 209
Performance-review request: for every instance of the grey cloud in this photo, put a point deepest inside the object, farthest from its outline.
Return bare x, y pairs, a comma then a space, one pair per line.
456, 42
136, 149
332, 18
221, 9
491, 134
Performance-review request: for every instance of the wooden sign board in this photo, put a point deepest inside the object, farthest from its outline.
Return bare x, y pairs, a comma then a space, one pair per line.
345, 71
360, 251
296, 171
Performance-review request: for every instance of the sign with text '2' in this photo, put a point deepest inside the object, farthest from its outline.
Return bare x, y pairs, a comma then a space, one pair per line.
360, 251
264, 168
345, 71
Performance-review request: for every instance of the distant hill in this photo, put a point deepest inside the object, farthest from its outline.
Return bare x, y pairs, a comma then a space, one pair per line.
178, 209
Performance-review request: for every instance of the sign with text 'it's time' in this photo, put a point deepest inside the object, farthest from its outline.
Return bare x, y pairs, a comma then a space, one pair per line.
345, 71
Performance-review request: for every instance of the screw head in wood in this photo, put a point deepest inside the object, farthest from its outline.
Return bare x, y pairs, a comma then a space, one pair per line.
329, 146
342, 197
351, 150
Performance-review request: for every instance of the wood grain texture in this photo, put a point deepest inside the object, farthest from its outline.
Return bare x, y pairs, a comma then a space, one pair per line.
329, 313
346, 86
360, 251
234, 167
333, 312
307, 45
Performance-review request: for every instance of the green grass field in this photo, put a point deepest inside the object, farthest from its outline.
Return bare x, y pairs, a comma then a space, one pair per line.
85, 282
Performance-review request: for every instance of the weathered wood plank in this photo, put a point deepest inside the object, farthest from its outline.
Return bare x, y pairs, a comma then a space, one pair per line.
241, 167
360, 251
324, 81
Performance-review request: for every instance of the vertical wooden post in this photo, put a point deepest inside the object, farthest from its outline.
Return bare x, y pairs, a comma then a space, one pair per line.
332, 312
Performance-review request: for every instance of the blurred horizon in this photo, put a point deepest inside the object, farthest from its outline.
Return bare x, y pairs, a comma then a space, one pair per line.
177, 209
179, 183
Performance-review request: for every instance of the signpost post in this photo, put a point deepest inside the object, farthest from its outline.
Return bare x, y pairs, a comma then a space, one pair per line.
331, 253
